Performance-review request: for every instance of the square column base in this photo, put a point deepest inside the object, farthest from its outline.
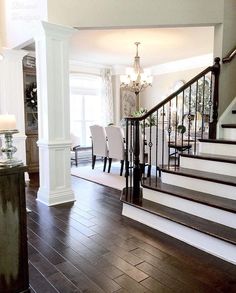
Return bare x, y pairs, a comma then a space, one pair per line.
51, 198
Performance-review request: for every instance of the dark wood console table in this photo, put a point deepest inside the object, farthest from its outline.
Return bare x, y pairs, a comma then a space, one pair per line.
13, 232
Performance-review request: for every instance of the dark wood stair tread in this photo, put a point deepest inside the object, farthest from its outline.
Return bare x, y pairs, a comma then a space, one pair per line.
213, 177
189, 194
230, 125
210, 157
206, 226
221, 141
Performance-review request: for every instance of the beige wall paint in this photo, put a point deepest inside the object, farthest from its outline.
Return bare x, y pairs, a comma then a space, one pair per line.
163, 85
123, 13
226, 41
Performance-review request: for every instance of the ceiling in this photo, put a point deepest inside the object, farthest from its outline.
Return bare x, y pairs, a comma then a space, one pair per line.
115, 47
158, 45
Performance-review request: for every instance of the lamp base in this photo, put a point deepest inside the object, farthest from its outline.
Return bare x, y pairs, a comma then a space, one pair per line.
10, 162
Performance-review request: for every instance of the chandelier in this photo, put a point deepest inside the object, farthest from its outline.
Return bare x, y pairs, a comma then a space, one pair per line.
136, 80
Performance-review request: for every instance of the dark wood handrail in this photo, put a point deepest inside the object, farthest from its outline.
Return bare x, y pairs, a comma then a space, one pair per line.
230, 56
213, 68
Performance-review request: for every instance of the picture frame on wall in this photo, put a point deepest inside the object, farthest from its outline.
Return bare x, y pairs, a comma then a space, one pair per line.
128, 102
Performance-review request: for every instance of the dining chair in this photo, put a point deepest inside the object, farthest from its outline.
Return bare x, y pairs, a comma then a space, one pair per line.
75, 146
115, 140
99, 144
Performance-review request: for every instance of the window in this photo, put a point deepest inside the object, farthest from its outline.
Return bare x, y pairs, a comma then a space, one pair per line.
85, 105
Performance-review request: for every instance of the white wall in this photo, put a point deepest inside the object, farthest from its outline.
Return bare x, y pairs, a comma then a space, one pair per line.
2, 25
123, 13
163, 85
116, 98
225, 41
21, 18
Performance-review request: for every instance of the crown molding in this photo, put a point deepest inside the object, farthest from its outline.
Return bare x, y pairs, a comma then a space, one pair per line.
174, 66
182, 65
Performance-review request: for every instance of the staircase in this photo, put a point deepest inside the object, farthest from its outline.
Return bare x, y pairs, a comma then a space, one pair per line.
194, 200
230, 129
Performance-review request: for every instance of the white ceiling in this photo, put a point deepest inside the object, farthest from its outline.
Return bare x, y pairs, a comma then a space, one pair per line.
158, 45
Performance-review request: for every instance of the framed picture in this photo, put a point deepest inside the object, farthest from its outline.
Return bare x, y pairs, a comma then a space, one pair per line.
128, 103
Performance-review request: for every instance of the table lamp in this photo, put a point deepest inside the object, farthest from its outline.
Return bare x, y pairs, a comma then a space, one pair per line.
8, 128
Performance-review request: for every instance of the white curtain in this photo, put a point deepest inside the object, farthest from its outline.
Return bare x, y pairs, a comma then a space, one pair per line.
107, 97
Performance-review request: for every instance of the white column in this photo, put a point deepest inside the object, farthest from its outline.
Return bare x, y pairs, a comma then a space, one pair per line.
12, 95
52, 58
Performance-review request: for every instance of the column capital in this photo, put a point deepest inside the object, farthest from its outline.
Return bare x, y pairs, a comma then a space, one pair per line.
45, 29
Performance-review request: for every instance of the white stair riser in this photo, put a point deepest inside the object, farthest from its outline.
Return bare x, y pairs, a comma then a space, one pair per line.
208, 166
191, 207
218, 149
229, 133
197, 239
201, 185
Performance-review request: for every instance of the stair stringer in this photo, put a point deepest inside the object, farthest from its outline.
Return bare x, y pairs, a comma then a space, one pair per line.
191, 207
226, 118
207, 243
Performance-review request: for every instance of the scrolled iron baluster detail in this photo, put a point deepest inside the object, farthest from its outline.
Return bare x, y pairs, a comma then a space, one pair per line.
189, 116
127, 158
203, 106
169, 132
195, 124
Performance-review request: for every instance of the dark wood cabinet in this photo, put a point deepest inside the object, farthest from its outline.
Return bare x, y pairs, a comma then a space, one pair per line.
13, 231
31, 114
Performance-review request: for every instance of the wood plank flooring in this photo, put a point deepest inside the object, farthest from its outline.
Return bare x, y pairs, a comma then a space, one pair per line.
89, 246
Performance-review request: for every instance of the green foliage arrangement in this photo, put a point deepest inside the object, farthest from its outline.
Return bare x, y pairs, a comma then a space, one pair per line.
150, 121
181, 129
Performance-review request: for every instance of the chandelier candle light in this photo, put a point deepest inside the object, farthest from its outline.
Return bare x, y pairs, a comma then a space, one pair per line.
8, 128
136, 80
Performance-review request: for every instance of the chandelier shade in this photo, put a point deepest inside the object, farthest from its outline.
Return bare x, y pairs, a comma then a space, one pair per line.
136, 80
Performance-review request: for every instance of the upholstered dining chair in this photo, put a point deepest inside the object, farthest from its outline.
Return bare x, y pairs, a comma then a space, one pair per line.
115, 140
99, 144
75, 145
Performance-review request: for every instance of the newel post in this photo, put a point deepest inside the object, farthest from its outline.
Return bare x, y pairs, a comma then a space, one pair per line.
215, 99
137, 190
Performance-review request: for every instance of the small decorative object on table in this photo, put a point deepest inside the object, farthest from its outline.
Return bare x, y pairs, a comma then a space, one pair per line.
8, 128
181, 129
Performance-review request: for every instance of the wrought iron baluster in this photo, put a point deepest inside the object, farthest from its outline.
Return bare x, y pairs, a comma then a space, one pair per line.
169, 133
203, 105
195, 124
182, 135
163, 133
131, 150
144, 145
136, 167
189, 116
175, 130
215, 97
150, 152
127, 158
157, 143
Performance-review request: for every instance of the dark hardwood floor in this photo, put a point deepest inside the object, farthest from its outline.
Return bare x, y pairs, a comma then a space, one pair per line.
89, 246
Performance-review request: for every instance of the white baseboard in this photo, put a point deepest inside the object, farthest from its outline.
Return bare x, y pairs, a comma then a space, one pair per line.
56, 197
